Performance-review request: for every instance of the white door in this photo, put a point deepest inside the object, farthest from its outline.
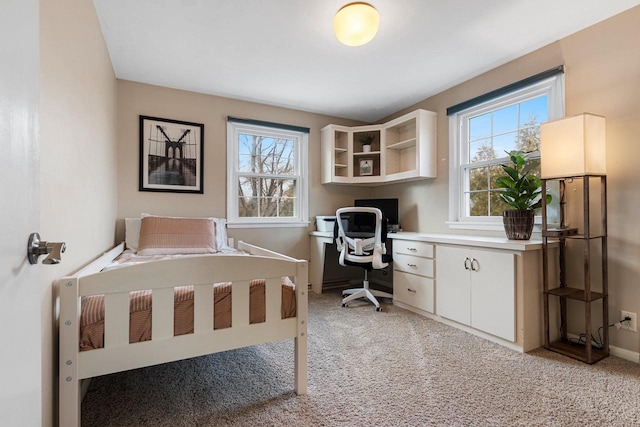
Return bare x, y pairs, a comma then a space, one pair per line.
20, 314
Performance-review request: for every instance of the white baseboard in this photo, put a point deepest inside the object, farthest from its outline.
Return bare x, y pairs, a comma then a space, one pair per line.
622, 353
84, 387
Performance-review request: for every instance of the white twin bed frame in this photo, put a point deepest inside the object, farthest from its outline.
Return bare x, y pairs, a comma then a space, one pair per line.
161, 277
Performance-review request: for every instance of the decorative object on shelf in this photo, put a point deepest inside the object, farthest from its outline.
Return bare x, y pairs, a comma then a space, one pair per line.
520, 190
366, 167
366, 139
356, 24
171, 155
573, 150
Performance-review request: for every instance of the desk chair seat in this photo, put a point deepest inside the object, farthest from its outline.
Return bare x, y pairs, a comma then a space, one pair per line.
360, 233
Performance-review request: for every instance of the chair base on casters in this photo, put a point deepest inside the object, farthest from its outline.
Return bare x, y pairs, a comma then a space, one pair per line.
364, 292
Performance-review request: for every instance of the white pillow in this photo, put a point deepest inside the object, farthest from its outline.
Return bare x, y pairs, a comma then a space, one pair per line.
132, 233
221, 232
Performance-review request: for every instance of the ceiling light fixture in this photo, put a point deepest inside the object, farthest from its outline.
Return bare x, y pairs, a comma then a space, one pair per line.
356, 23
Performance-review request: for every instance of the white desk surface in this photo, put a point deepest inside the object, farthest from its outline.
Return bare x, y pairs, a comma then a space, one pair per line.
320, 238
454, 239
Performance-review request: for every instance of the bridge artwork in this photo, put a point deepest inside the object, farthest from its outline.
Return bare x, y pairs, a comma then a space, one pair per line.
171, 155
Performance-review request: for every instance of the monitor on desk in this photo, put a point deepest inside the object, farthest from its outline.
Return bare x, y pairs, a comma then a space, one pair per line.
389, 208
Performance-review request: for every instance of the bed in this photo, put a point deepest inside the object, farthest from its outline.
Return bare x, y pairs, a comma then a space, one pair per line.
232, 297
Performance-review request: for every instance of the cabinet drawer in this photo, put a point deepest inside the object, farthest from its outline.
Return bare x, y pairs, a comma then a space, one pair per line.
413, 264
413, 290
411, 247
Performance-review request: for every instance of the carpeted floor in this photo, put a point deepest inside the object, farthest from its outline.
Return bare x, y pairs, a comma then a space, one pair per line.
392, 368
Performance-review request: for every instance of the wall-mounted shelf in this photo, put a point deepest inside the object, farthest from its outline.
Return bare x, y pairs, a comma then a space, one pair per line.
401, 150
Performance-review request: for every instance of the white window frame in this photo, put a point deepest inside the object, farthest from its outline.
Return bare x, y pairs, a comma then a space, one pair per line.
301, 175
553, 87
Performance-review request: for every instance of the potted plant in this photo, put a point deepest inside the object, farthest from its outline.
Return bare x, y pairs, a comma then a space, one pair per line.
366, 139
521, 190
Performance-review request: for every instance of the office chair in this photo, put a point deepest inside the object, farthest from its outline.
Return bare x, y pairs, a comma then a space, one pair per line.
360, 234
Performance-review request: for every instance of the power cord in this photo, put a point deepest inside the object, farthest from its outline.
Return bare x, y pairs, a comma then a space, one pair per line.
597, 343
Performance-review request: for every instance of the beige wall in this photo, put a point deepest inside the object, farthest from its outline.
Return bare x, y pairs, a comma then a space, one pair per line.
602, 74
82, 179
602, 66
77, 152
135, 99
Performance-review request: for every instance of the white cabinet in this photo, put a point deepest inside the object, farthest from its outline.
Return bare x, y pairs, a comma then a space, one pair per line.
413, 271
477, 288
401, 150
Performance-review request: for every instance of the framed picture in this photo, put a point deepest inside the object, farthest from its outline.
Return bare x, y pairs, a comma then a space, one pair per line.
171, 155
366, 167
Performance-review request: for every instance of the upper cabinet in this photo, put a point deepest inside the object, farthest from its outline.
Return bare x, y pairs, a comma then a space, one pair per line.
400, 150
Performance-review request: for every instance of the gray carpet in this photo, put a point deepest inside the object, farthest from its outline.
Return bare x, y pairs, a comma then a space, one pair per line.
393, 368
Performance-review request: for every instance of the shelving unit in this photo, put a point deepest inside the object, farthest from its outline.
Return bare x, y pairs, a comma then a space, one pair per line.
588, 288
402, 149
341, 152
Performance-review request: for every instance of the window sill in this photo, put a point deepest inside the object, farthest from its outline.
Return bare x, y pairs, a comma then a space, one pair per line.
484, 226
255, 224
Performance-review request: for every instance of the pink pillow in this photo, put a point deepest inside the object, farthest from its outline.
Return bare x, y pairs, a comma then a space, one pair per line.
171, 236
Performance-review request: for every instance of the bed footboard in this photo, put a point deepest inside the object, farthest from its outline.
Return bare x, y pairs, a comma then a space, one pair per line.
161, 277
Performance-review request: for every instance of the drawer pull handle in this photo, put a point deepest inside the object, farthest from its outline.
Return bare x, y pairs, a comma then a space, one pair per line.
467, 264
475, 265
412, 249
411, 290
412, 265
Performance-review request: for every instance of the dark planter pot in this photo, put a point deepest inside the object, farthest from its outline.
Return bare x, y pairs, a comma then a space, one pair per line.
518, 224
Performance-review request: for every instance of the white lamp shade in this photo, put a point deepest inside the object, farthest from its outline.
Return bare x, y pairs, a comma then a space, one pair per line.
573, 146
356, 24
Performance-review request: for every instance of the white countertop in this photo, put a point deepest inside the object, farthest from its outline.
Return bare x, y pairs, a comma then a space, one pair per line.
459, 239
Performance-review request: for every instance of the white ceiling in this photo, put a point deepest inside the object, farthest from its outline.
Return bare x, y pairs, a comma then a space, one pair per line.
284, 53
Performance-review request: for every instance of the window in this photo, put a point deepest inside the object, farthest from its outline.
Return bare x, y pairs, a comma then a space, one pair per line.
267, 174
481, 135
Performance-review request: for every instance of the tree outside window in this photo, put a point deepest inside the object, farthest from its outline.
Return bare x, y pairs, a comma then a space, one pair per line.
268, 175
490, 137
267, 185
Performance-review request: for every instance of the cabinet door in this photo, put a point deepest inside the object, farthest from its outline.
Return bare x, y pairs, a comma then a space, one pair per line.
493, 293
453, 297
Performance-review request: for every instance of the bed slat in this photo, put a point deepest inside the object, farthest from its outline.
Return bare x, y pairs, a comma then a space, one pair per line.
203, 308
162, 313
273, 299
240, 303
116, 326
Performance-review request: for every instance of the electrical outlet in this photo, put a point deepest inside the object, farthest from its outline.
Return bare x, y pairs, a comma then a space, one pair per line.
629, 325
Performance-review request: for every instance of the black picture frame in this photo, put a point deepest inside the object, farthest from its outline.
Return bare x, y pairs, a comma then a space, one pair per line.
171, 156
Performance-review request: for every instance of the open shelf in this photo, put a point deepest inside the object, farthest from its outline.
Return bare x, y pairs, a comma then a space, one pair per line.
402, 144
403, 149
578, 351
576, 294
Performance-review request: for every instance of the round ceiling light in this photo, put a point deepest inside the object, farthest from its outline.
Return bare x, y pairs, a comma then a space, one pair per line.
356, 23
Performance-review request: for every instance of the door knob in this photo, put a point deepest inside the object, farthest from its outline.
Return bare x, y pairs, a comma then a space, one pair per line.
36, 247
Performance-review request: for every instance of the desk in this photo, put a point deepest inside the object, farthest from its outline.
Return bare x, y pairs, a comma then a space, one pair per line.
431, 279
318, 240
317, 251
